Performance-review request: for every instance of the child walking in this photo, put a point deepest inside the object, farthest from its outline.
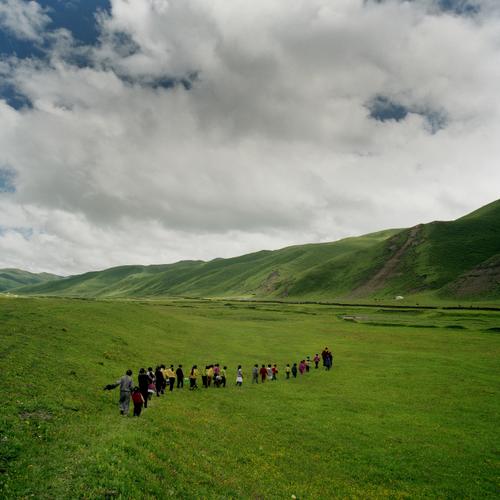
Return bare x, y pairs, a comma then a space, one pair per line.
138, 400
239, 376
287, 370
217, 377
180, 377
193, 375
316, 360
204, 377
223, 376
294, 370
255, 374
263, 373
171, 377
302, 367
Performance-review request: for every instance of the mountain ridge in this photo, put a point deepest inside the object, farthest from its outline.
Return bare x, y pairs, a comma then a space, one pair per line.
453, 259
11, 278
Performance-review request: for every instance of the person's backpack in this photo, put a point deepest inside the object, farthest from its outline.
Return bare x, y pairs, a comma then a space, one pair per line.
137, 397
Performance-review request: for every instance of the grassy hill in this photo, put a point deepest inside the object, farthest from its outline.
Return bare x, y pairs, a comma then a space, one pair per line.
451, 260
260, 274
14, 278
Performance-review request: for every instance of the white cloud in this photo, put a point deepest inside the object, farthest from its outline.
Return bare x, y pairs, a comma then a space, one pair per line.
25, 20
272, 145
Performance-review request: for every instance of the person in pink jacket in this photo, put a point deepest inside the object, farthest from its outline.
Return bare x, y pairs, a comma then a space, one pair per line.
302, 367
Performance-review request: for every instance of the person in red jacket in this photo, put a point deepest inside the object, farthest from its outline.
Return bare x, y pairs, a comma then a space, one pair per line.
263, 373
138, 401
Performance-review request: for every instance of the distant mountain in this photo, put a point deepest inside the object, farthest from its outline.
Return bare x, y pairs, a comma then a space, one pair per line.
14, 278
453, 259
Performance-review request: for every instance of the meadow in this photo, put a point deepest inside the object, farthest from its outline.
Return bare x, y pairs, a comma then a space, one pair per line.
410, 409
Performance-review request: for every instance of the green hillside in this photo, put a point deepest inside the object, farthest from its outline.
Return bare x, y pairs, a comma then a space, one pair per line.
14, 278
441, 253
450, 260
260, 274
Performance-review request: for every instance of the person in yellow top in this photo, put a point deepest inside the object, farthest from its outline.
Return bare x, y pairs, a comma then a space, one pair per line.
204, 376
210, 375
165, 377
223, 376
193, 375
170, 376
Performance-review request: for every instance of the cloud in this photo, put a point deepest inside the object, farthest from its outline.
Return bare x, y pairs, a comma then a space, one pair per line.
25, 20
200, 129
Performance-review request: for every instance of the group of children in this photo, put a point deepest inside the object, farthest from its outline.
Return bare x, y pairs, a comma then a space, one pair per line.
156, 381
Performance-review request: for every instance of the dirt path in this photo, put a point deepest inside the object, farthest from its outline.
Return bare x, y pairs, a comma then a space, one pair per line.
389, 268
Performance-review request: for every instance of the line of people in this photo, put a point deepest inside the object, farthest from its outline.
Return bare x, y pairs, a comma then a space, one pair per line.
157, 381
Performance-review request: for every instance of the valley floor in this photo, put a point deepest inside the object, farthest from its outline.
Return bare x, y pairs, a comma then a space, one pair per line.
410, 409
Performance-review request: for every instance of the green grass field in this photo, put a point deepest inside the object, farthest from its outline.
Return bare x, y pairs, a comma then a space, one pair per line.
410, 410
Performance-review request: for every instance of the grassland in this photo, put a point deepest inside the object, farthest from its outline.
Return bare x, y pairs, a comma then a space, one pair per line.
410, 410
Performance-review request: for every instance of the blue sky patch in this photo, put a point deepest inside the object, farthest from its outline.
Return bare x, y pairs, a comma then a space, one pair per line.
77, 16
383, 109
11, 46
436, 120
459, 7
7, 177
14, 99
25, 232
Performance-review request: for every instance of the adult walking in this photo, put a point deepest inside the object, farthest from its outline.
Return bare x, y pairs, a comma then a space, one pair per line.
329, 360
325, 353
125, 384
144, 381
159, 381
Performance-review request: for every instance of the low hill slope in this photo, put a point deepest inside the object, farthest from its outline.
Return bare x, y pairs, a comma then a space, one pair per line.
14, 278
460, 258
262, 274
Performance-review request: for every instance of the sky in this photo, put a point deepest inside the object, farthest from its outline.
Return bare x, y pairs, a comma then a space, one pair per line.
152, 131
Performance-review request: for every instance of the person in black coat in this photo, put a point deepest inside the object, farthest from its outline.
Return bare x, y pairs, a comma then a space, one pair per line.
144, 380
180, 377
160, 381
